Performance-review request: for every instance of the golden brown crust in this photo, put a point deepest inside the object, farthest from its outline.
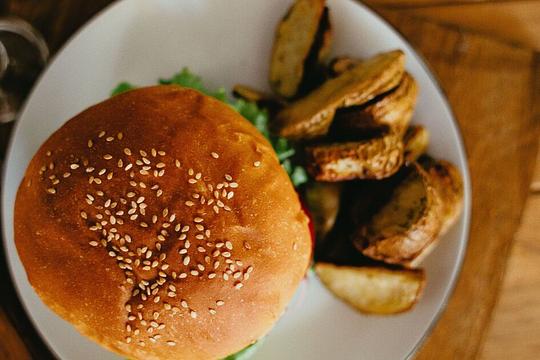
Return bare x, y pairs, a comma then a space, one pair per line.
374, 290
312, 115
415, 142
375, 158
393, 111
323, 201
80, 271
387, 238
448, 183
293, 42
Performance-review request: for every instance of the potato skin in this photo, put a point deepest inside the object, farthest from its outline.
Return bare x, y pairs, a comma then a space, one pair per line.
405, 245
294, 39
375, 158
311, 116
374, 290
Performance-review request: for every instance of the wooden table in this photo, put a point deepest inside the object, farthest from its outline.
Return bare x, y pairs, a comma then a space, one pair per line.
485, 55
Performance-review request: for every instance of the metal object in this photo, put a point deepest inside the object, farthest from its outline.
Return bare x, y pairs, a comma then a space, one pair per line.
23, 55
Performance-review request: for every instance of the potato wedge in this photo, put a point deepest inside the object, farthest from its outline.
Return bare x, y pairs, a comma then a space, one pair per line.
407, 224
392, 110
311, 116
260, 98
373, 290
448, 183
315, 65
340, 64
374, 158
323, 200
293, 43
415, 142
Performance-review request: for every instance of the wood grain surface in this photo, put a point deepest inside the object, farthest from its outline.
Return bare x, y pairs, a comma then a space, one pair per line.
493, 84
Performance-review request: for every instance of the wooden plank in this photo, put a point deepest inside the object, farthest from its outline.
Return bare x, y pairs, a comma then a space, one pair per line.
489, 85
11, 345
516, 322
515, 21
409, 4
535, 185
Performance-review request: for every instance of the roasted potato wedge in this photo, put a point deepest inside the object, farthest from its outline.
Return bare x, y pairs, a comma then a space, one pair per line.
392, 110
407, 224
323, 200
311, 116
415, 142
374, 158
340, 64
262, 99
448, 183
373, 290
295, 36
315, 65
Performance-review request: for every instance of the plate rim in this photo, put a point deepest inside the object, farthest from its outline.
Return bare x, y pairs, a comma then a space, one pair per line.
462, 153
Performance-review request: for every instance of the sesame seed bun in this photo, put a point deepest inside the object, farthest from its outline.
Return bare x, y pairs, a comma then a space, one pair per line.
162, 226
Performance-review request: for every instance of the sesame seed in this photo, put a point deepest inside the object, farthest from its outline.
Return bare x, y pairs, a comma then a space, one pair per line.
74, 166
119, 136
51, 191
156, 299
127, 151
93, 243
161, 153
228, 245
257, 163
186, 260
230, 195
233, 185
171, 343
225, 276
198, 176
160, 165
238, 285
194, 272
228, 177
193, 314
184, 304
212, 275
192, 181
220, 303
177, 163
212, 311
215, 155
109, 139
237, 275
171, 294
190, 172
182, 276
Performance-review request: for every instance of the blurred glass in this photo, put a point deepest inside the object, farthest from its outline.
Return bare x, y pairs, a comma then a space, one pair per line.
23, 55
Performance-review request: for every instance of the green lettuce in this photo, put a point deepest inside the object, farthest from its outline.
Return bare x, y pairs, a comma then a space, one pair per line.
252, 112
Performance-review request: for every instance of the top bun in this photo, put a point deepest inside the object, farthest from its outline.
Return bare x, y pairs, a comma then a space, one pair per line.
161, 225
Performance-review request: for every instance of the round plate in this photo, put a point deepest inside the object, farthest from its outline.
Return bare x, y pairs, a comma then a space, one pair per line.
229, 42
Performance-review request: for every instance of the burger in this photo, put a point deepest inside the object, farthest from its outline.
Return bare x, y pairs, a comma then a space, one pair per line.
161, 225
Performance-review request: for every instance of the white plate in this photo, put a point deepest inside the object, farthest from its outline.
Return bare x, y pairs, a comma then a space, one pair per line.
229, 42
